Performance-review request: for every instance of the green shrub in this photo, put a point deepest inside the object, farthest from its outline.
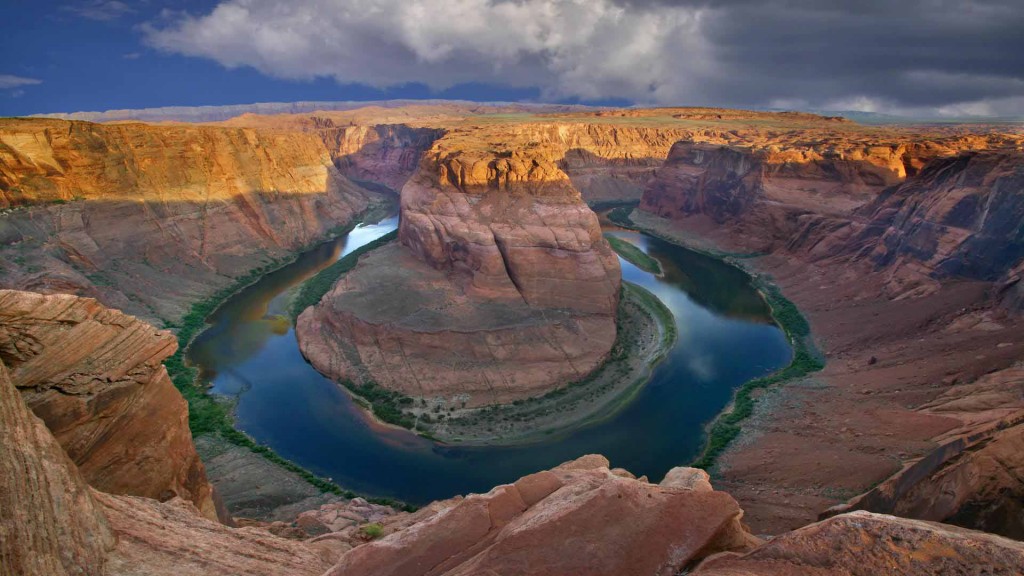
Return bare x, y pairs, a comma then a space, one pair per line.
372, 531
314, 289
385, 404
621, 217
207, 415
727, 427
634, 255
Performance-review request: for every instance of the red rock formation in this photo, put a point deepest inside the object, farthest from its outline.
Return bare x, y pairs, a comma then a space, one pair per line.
172, 539
867, 544
385, 154
49, 523
959, 218
904, 280
96, 377
503, 287
973, 477
579, 518
157, 217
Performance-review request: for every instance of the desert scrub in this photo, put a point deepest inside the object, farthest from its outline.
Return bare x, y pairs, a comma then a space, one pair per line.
315, 288
634, 255
621, 217
386, 405
372, 531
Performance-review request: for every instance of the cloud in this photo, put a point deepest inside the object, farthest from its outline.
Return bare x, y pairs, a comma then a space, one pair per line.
923, 54
8, 82
100, 10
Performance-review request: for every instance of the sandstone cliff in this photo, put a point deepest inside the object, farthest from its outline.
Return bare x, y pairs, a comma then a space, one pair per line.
899, 258
959, 218
49, 523
95, 376
157, 217
863, 544
385, 154
500, 261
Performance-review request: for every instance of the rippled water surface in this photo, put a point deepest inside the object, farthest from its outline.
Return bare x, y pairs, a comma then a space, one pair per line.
250, 352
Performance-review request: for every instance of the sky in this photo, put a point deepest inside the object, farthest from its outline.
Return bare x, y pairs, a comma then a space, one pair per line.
940, 58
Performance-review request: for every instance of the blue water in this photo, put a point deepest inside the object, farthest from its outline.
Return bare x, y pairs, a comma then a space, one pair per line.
725, 338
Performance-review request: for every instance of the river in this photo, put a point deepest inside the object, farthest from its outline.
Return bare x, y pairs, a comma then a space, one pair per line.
249, 351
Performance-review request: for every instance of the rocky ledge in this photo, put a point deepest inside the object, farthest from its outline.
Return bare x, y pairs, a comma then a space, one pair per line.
95, 376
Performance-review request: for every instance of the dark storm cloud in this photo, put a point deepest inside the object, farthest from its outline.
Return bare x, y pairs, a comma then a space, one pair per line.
917, 56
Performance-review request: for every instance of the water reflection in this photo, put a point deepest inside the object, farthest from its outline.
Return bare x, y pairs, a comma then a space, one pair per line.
725, 338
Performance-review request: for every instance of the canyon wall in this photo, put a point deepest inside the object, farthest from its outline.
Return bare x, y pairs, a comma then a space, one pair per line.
907, 260
959, 218
50, 524
95, 377
385, 154
152, 218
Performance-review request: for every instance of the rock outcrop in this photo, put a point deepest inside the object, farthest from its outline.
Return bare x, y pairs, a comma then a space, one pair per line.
863, 544
49, 523
502, 287
385, 154
973, 477
580, 518
959, 218
770, 186
907, 260
95, 376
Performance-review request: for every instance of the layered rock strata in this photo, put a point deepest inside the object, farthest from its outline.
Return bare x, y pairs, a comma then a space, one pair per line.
913, 293
580, 518
95, 376
151, 218
501, 288
49, 523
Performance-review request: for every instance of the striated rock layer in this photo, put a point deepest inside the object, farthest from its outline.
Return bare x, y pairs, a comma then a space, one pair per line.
96, 377
157, 217
579, 518
913, 289
49, 523
503, 287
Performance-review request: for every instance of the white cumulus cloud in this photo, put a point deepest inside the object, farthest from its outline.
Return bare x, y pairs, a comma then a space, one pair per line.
568, 48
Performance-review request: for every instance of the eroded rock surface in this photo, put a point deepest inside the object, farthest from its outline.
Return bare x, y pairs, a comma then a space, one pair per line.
502, 287
150, 219
911, 283
49, 523
865, 544
575, 519
96, 377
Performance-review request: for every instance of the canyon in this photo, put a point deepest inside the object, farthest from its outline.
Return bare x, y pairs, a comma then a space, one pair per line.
901, 245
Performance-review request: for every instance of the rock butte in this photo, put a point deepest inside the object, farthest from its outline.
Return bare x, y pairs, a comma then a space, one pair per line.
500, 261
900, 244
